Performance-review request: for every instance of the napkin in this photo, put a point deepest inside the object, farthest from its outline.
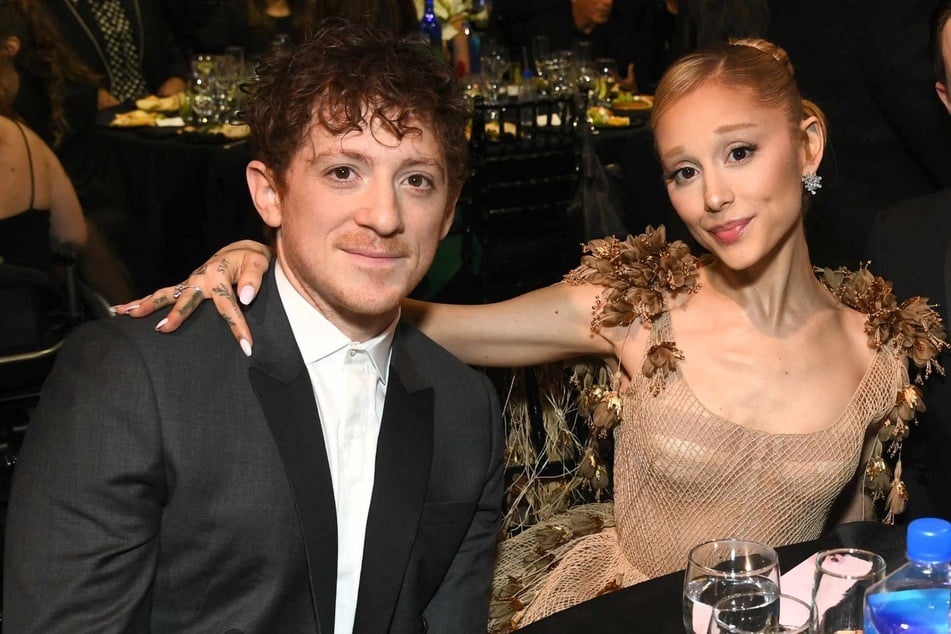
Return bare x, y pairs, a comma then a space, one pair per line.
170, 122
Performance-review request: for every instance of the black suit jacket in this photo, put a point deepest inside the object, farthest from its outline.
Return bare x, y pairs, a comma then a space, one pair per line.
161, 57
169, 484
910, 244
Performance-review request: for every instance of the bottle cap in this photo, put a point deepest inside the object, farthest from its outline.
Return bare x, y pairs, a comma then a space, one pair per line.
929, 540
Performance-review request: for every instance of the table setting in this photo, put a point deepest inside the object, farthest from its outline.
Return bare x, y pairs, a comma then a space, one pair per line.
771, 587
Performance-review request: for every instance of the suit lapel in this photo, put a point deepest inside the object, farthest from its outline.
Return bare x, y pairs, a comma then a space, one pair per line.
403, 463
282, 385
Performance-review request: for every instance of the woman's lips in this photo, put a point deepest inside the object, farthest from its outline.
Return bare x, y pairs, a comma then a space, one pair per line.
730, 232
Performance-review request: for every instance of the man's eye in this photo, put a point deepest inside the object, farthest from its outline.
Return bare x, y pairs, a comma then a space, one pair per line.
417, 180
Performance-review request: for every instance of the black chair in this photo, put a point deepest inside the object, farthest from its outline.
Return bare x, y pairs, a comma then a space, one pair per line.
39, 310
520, 221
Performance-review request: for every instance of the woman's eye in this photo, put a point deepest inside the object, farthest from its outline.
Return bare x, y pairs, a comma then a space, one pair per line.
342, 173
741, 153
682, 174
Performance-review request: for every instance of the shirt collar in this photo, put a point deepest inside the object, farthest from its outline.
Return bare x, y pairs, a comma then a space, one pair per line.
318, 338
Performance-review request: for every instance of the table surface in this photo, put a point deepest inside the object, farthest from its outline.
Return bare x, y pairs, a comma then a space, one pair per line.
655, 606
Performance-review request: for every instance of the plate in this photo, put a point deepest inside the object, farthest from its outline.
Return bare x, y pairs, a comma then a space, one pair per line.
134, 119
153, 103
639, 104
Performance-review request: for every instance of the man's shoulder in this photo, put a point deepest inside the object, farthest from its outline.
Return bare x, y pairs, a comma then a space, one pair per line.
929, 212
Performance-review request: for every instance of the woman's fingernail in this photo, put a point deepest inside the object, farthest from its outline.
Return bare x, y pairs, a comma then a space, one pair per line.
159, 325
245, 347
130, 308
246, 294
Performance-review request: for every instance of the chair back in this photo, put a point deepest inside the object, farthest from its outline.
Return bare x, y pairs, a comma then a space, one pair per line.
521, 226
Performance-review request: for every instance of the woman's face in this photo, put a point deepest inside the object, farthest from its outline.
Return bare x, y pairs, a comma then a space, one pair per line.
733, 169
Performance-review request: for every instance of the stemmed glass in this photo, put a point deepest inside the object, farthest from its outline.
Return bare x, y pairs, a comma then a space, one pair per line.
761, 613
841, 578
495, 63
724, 567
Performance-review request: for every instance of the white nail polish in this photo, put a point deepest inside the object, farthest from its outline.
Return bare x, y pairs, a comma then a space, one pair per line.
246, 294
130, 308
159, 325
245, 347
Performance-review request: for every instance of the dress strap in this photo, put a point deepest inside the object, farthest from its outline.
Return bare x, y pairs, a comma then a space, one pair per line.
29, 158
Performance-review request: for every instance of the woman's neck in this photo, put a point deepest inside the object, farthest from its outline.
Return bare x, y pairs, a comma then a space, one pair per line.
780, 292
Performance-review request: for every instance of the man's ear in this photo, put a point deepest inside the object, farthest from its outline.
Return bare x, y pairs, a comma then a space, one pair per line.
942, 91
450, 215
264, 193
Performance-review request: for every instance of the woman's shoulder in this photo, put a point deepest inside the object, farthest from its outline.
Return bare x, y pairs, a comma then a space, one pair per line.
638, 276
912, 327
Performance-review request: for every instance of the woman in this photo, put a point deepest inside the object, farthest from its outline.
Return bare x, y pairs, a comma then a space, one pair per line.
748, 391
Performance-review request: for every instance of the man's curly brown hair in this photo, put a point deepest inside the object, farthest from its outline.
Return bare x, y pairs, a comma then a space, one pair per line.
344, 77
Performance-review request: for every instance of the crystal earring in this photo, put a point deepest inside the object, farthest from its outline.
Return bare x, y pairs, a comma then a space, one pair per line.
812, 183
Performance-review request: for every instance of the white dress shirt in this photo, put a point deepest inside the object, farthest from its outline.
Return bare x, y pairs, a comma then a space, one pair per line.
349, 379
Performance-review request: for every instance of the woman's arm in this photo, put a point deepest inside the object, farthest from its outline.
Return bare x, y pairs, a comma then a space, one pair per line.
67, 223
545, 325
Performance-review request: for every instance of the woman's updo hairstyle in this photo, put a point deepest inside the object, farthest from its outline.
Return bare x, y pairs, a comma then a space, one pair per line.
754, 64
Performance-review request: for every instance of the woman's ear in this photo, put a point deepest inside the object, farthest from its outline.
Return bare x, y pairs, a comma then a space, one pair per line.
813, 144
264, 193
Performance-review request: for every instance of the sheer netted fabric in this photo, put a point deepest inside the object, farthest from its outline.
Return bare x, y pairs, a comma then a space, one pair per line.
684, 475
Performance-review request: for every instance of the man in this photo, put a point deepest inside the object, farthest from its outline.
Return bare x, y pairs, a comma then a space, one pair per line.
127, 42
619, 29
910, 245
347, 476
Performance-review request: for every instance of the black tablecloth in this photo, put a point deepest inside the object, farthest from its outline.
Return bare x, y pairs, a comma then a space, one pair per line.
655, 606
184, 200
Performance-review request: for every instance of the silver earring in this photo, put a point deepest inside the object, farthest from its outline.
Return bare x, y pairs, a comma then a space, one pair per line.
812, 183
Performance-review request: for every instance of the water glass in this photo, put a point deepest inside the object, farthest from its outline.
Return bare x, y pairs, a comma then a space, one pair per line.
721, 568
761, 613
841, 578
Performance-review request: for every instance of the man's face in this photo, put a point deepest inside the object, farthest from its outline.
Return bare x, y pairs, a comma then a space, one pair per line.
359, 221
592, 11
943, 87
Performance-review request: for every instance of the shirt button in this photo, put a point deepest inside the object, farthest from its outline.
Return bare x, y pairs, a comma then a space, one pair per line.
353, 353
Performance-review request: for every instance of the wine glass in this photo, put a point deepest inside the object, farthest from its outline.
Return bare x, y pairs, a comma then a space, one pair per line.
721, 568
763, 612
841, 578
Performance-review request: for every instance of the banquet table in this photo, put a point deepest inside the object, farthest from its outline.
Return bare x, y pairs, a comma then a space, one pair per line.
184, 198
655, 606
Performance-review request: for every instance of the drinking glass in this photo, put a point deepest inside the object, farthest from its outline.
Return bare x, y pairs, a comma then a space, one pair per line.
761, 613
842, 576
721, 568
541, 53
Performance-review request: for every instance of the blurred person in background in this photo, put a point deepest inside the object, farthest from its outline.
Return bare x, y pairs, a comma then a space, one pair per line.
623, 30
45, 87
910, 243
454, 21
127, 42
257, 25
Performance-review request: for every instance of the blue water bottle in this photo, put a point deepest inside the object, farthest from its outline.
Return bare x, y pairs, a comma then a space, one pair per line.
915, 598
430, 30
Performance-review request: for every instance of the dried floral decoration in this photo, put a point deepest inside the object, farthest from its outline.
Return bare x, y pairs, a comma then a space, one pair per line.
637, 275
916, 331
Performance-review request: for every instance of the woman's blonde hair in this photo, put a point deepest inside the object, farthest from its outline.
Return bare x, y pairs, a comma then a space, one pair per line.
754, 64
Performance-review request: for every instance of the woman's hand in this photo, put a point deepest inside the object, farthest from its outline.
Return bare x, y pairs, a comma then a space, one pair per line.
240, 264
